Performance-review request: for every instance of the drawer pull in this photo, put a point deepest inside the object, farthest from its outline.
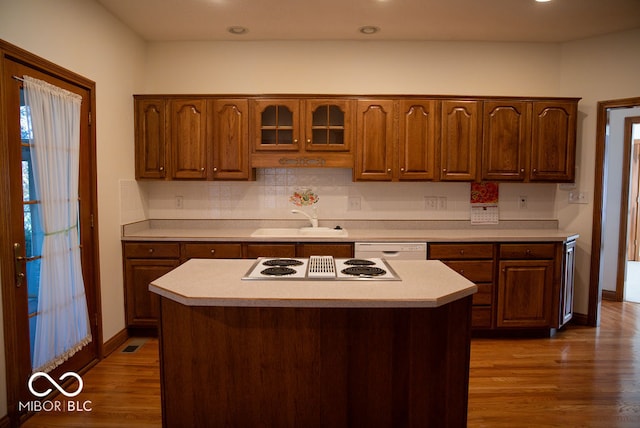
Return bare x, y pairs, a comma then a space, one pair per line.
462, 252
461, 271
528, 252
150, 250
213, 251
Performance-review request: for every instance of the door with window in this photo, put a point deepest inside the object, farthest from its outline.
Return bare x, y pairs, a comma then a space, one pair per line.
23, 218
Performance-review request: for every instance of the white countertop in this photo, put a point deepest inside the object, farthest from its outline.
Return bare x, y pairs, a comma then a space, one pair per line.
218, 282
417, 231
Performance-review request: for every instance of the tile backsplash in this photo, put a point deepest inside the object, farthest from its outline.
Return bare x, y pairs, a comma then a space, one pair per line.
339, 198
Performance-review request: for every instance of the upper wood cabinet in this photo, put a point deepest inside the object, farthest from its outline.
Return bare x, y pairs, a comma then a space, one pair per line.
553, 141
192, 138
417, 140
229, 129
384, 138
402, 149
529, 140
374, 141
506, 140
187, 130
460, 140
290, 132
151, 143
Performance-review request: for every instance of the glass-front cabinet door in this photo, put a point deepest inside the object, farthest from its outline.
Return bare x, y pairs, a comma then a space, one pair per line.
329, 125
277, 124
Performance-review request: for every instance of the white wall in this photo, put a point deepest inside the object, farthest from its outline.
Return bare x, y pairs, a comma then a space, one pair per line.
597, 69
80, 36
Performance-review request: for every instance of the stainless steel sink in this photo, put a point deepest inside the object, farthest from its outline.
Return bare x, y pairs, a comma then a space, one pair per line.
290, 232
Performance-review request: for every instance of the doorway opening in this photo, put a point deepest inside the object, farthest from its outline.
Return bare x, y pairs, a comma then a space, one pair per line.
611, 204
629, 281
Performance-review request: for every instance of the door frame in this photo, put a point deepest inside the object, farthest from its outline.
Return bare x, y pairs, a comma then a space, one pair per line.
15, 386
595, 287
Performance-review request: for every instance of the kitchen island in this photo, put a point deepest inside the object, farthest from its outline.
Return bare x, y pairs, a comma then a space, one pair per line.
319, 353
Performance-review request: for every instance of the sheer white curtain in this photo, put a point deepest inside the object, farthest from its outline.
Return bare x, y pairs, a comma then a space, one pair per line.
62, 325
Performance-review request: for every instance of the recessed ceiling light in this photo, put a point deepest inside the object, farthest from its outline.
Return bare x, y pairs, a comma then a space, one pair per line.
542, 1
237, 30
369, 29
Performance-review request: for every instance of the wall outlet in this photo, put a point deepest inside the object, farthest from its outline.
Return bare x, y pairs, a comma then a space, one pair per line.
179, 202
523, 202
442, 203
354, 203
430, 203
578, 197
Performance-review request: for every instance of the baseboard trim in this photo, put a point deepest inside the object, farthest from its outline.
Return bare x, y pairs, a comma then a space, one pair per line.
114, 343
5, 422
579, 319
609, 295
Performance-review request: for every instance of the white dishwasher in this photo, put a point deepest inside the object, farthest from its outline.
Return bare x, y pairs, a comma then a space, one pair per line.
391, 250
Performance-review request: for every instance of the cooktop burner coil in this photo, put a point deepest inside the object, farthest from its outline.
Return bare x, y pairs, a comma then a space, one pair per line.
364, 270
282, 262
278, 271
359, 262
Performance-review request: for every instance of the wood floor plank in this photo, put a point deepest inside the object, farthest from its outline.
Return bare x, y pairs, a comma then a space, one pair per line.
582, 377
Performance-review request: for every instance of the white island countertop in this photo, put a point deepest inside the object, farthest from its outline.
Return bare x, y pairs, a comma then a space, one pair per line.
218, 282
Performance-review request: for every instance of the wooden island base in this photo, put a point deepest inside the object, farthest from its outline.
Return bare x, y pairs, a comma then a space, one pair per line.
314, 367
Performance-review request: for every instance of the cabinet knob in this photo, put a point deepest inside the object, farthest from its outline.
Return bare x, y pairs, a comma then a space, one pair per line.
202, 169
521, 169
461, 252
308, 140
295, 141
215, 169
150, 250
528, 251
213, 251
535, 170
461, 271
389, 171
161, 168
444, 169
401, 169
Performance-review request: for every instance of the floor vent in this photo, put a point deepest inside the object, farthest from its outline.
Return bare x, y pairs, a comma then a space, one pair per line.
133, 345
130, 348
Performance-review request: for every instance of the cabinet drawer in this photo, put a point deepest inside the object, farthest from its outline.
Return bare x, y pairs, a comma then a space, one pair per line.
527, 251
212, 251
473, 270
151, 250
460, 251
484, 296
270, 250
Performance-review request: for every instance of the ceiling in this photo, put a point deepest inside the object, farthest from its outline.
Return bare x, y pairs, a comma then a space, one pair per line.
463, 20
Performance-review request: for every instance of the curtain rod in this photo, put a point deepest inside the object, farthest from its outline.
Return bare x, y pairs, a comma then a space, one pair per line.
18, 78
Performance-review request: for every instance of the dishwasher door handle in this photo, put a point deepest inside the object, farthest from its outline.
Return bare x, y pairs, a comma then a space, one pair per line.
391, 253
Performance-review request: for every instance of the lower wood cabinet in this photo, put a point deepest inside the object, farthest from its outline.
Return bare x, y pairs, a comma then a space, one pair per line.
521, 286
145, 261
474, 261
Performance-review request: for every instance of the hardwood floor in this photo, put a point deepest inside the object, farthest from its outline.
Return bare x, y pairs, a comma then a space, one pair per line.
582, 377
